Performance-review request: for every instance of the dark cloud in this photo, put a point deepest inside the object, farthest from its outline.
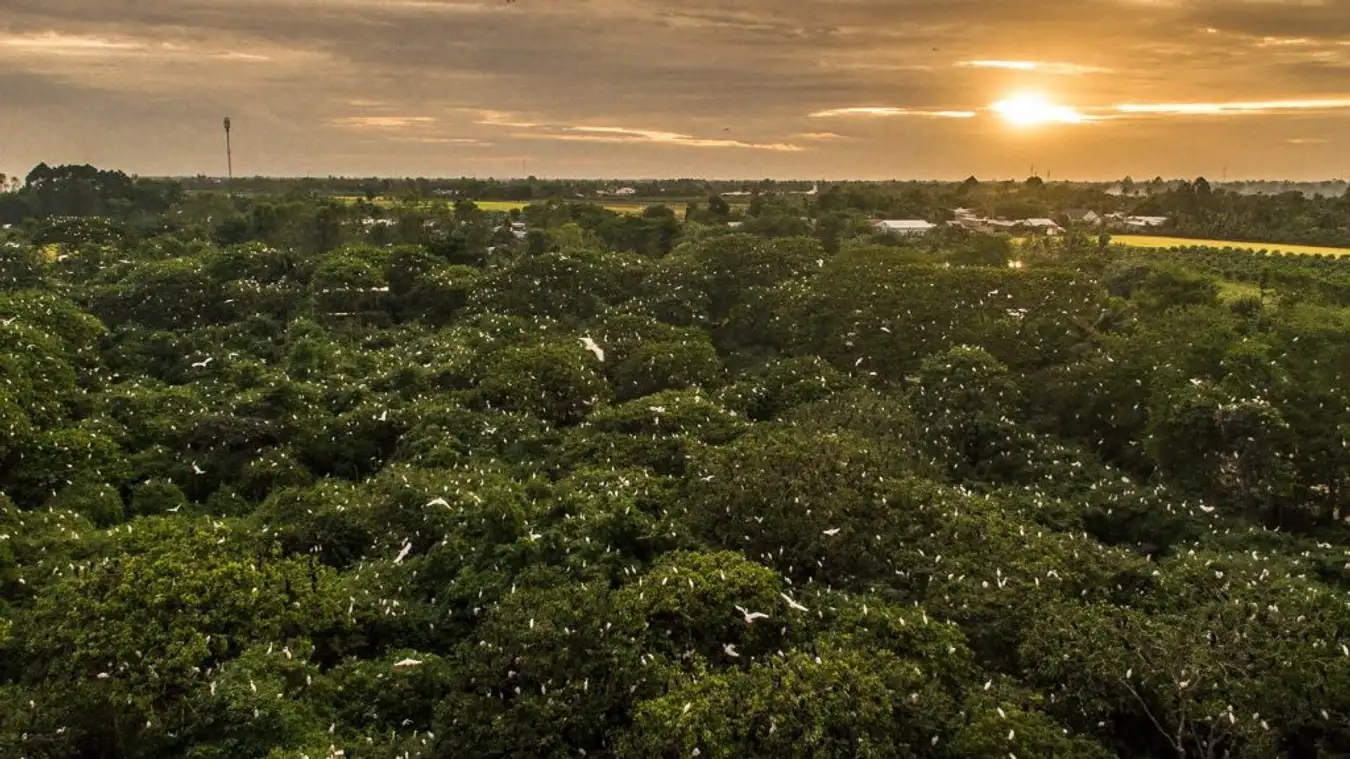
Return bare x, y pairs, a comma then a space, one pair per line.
401, 86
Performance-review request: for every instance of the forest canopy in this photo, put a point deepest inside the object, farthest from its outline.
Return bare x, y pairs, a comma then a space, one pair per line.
283, 482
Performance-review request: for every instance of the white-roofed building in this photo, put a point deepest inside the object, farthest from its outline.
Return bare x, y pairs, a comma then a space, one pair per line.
1145, 222
1046, 226
903, 226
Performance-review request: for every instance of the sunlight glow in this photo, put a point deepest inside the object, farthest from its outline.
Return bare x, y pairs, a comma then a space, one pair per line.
1031, 109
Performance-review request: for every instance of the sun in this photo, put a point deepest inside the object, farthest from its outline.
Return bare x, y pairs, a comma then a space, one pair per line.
1033, 109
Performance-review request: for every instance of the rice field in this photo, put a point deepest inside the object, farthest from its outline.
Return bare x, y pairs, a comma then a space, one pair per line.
511, 205
502, 206
1150, 241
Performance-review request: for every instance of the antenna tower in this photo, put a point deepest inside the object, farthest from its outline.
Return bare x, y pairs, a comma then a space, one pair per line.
229, 159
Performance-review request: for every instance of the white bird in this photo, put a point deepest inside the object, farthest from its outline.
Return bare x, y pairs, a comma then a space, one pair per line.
793, 603
196, 469
408, 663
438, 502
832, 531
730, 650
751, 616
590, 345
175, 509
203, 364
9, 321
403, 552
103, 675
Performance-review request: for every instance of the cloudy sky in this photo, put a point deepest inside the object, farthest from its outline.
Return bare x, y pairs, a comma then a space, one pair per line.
1088, 89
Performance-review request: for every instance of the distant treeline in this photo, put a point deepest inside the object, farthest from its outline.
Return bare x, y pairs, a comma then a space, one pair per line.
1194, 209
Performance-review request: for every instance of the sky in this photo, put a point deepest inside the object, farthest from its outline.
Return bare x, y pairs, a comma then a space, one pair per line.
792, 89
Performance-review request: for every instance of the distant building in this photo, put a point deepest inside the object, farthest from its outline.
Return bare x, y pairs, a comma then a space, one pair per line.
1044, 226
1082, 216
625, 192
903, 226
1145, 222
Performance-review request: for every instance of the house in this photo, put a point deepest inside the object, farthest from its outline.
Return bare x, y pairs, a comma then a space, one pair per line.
1083, 216
625, 192
1044, 226
1145, 222
903, 226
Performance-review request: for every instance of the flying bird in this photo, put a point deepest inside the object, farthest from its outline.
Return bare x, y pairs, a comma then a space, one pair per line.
751, 616
403, 553
408, 663
792, 603
832, 531
590, 345
203, 364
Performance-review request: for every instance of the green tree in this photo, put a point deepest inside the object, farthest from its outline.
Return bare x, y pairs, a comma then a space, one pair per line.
557, 382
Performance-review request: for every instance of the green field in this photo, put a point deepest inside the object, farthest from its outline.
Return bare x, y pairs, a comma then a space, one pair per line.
1150, 241
1230, 291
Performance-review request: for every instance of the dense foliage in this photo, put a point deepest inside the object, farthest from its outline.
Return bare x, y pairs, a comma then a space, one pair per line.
281, 483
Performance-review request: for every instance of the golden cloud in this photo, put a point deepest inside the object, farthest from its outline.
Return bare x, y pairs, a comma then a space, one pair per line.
878, 111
